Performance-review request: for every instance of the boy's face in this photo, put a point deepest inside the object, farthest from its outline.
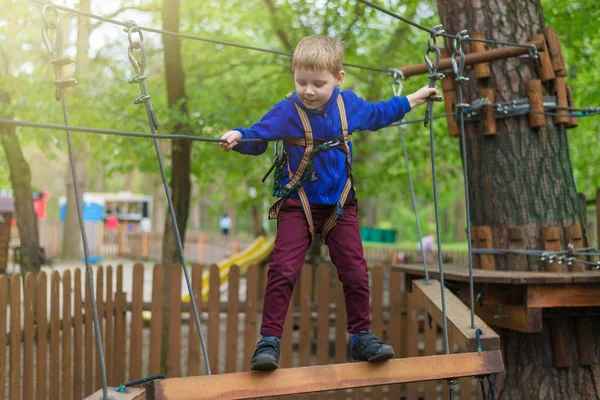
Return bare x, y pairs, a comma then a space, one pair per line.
314, 88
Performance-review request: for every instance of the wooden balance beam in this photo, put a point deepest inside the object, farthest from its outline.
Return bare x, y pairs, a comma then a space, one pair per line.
458, 317
251, 385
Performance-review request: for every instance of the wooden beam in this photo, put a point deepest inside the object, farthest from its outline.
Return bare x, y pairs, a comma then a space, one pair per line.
130, 394
251, 385
563, 295
458, 317
475, 58
516, 318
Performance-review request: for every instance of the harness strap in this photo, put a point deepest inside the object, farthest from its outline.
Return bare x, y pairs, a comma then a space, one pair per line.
308, 143
339, 210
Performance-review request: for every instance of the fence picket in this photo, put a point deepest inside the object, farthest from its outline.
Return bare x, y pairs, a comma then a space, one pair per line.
28, 335
174, 354
41, 375
77, 338
156, 322
3, 316
231, 344
109, 339
213, 318
251, 310
54, 336
323, 282
136, 338
67, 378
194, 337
377, 315
89, 341
120, 361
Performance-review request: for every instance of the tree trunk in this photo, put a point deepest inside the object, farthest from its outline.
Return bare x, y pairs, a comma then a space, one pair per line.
180, 150
20, 178
72, 243
520, 177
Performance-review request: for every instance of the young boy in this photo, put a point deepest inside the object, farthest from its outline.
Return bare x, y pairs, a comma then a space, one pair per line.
317, 191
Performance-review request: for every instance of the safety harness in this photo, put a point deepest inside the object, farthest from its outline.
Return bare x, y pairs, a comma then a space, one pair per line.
305, 171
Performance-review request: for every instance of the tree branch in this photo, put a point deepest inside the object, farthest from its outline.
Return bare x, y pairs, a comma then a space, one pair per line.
285, 41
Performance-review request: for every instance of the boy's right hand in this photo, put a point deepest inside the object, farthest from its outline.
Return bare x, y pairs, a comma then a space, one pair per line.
231, 140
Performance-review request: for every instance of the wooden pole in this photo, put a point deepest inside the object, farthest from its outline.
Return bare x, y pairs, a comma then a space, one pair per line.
474, 58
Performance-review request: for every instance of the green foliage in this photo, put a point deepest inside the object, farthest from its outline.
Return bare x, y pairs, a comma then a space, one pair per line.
230, 87
580, 42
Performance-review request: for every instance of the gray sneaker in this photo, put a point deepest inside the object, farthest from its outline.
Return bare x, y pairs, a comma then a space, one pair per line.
368, 348
266, 355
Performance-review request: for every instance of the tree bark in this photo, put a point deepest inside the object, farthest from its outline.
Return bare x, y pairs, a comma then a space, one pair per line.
520, 177
181, 155
20, 178
72, 243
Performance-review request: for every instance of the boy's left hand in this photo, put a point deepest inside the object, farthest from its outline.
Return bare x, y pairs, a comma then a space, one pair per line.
420, 96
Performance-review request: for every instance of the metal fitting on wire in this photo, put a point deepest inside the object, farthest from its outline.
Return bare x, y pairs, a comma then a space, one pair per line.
432, 68
397, 78
55, 50
457, 52
139, 66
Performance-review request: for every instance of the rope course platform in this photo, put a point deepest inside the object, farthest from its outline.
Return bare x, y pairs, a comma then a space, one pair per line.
519, 300
251, 385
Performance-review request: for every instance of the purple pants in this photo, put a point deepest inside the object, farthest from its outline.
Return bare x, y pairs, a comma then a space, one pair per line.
292, 243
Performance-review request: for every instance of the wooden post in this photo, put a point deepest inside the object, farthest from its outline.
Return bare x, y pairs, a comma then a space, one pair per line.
476, 258
235, 247
485, 241
551, 242
560, 89
573, 122
516, 240
450, 99
561, 342
544, 63
536, 104
574, 236
553, 41
489, 120
482, 70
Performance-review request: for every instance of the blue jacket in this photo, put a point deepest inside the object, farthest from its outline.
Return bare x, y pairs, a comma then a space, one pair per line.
282, 122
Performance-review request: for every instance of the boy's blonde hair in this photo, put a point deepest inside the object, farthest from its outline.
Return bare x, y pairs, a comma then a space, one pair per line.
319, 53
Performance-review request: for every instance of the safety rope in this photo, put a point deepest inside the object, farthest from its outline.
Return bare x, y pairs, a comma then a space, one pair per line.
110, 132
397, 91
144, 98
127, 25
59, 61
432, 67
460, 106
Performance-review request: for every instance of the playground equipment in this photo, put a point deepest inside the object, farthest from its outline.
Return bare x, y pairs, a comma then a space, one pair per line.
257, 251
483, 356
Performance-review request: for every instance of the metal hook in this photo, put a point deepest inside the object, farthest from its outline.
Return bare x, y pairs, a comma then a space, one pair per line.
397, 78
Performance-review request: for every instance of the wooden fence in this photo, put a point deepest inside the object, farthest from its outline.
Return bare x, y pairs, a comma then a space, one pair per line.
50, 350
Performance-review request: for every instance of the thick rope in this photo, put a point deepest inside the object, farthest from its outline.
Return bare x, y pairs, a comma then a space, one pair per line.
139, 67
397, 91
460, 79
55, 51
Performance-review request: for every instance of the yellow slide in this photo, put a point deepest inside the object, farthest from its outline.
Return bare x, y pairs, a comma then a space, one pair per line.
257, 251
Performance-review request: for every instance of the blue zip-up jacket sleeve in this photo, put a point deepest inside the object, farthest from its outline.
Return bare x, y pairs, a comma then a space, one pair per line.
374, 116
272, 126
